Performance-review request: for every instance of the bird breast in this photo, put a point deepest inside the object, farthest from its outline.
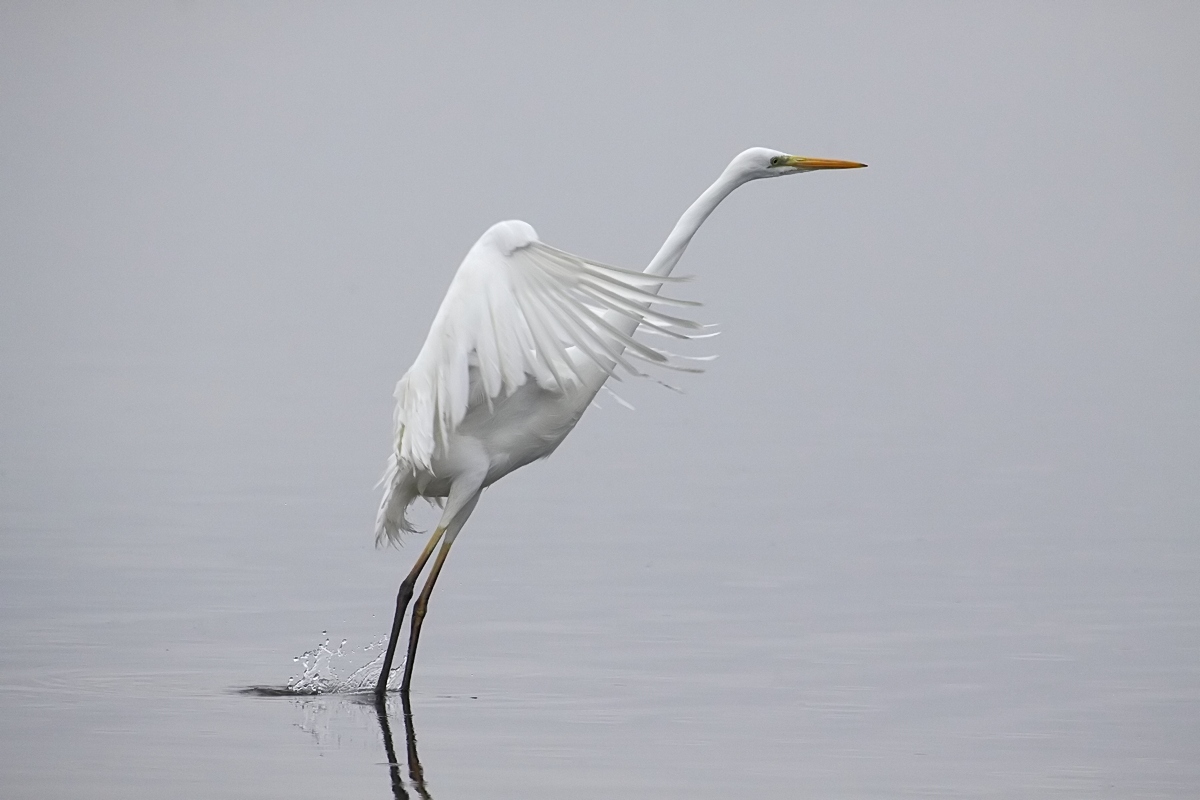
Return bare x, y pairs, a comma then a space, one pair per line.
517, 428
501, 436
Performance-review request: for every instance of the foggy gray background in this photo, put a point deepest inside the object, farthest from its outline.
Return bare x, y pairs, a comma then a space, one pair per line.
926, 527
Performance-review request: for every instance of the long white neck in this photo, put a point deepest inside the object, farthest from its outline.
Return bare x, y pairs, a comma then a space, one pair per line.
672, 249
668, 255
681, 235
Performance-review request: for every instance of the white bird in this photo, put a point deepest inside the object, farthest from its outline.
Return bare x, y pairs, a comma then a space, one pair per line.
525, 338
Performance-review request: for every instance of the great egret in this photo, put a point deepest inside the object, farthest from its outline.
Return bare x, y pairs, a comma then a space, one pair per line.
523, 341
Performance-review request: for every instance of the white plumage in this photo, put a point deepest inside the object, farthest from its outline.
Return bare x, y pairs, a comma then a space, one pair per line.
517, 311
526, 336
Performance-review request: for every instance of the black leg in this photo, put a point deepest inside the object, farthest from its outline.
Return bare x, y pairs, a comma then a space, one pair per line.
418, 616
402, 598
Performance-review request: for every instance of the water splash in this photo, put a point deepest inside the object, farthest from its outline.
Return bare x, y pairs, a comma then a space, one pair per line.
319, 669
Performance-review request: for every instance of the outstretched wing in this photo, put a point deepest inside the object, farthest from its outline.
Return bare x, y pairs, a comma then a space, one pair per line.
520, 310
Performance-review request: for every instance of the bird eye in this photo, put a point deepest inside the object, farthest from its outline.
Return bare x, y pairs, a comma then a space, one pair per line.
775, 161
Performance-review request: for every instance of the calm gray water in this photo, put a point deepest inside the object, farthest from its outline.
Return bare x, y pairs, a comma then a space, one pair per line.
926, 528
834, 629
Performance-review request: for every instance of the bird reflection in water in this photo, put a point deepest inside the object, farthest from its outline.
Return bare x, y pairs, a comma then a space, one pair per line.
415, 774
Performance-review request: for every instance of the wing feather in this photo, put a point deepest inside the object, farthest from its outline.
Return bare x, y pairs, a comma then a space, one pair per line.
520, 310
577, 317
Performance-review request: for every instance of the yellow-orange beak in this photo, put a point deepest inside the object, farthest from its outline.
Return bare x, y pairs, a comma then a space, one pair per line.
800, 162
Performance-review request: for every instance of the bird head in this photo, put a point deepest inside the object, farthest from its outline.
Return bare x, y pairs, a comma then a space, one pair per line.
761, 162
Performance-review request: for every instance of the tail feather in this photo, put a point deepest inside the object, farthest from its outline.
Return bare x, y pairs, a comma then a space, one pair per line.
392, 520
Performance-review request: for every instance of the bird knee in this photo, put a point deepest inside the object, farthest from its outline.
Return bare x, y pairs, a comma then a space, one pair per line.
405, 594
